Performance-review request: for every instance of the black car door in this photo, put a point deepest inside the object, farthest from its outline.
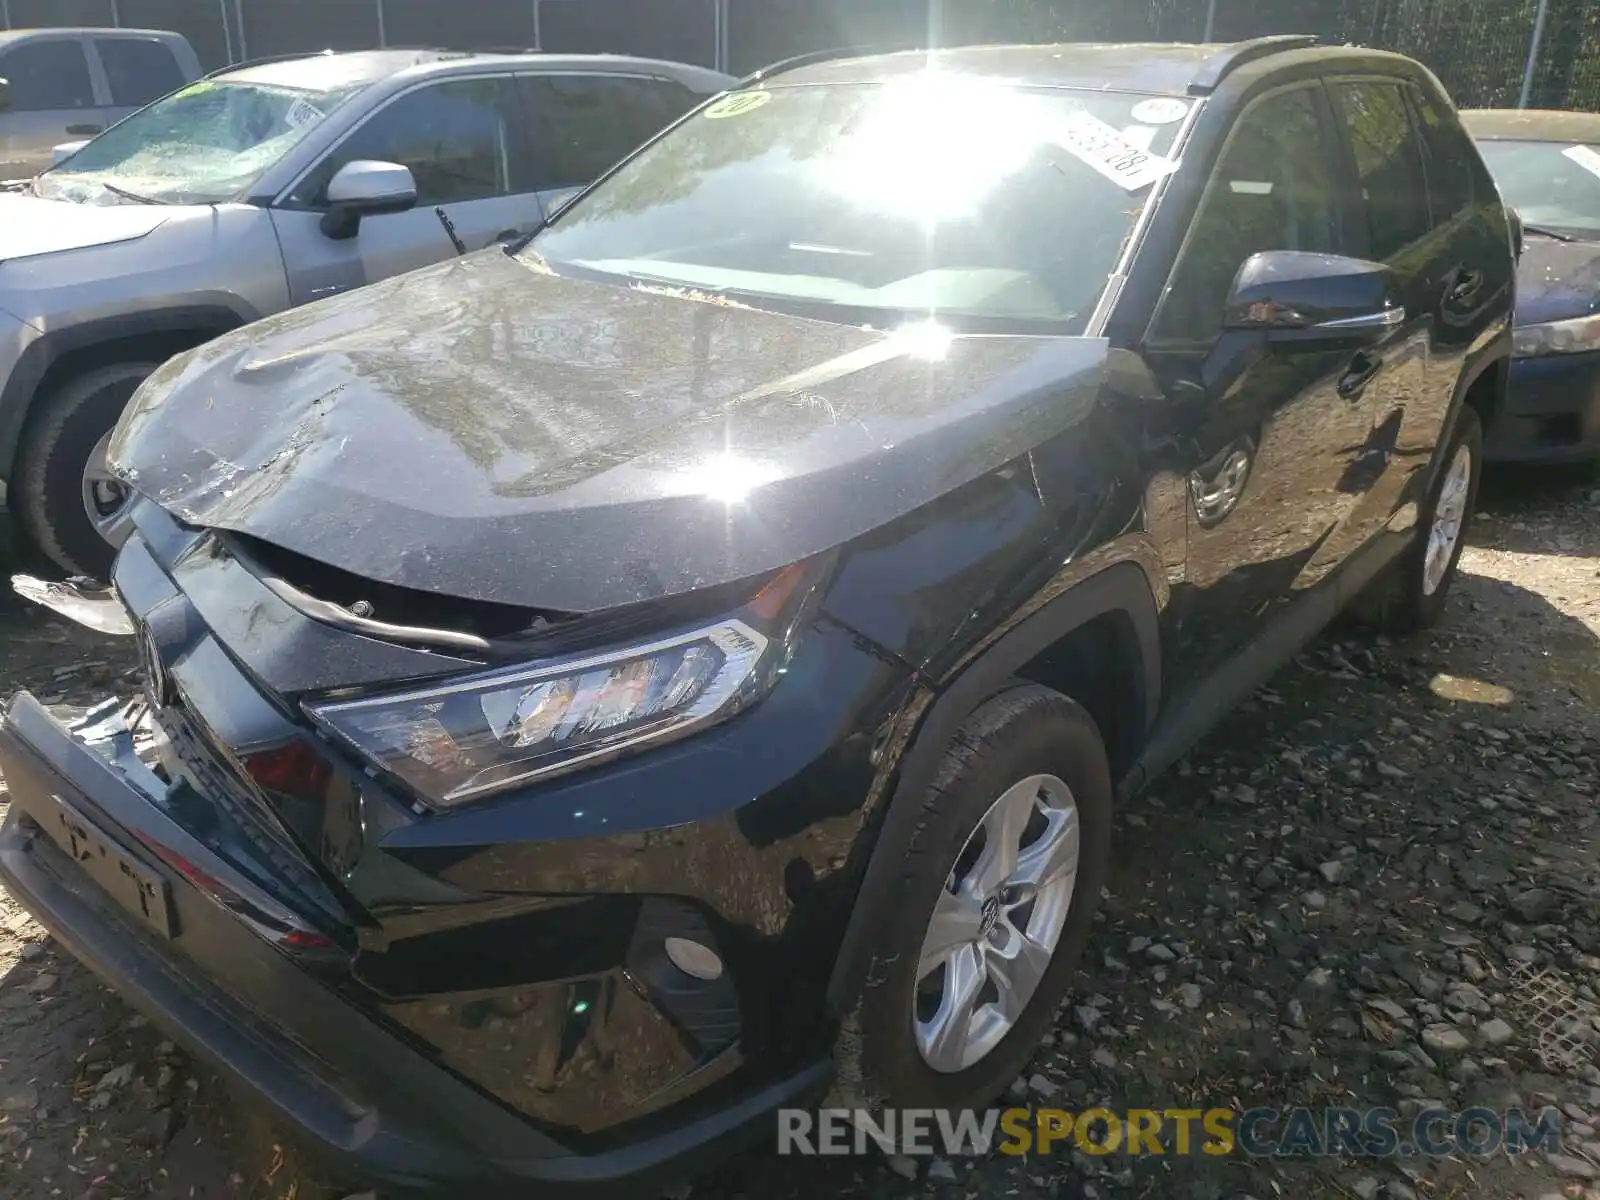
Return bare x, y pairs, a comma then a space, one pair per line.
1265, 436
1403, 407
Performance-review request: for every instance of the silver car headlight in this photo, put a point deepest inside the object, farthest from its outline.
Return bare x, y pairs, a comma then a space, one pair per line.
471, 737
1577, 336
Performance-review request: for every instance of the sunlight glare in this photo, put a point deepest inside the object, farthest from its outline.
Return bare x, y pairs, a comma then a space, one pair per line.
728, 478
932, 145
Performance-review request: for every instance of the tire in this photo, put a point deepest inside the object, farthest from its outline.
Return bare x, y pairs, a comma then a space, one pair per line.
62, 433
1020, 734
1409, 598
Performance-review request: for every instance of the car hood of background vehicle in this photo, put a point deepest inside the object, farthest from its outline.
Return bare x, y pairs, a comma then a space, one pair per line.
1557, 280
486, 430
30, 226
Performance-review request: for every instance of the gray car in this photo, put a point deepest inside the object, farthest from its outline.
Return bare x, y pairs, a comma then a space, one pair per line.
62, 85
262, 188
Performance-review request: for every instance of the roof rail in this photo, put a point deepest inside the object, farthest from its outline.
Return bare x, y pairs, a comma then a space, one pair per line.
806, 60
1222, 64
261, 62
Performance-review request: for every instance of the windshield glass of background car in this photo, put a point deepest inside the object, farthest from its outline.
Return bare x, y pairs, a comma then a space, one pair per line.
941, 195
1546, 185
202, 145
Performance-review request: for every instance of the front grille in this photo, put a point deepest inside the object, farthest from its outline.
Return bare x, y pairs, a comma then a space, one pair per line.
218, 779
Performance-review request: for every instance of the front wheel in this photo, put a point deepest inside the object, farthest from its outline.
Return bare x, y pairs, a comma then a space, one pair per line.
996, 900
66, 500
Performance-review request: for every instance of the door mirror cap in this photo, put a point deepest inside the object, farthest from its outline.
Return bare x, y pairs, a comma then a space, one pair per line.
366, 189
1300, 296
5, 94
1518, 231
60, 154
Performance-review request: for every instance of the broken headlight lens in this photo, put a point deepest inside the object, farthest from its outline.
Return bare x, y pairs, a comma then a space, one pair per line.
470, 737
466, 739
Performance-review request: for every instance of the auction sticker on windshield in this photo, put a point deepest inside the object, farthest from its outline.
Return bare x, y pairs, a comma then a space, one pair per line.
1092, 141
300, 113
738, 104
1585, 157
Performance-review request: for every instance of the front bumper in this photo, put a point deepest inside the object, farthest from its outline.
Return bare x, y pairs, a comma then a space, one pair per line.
354, 1088
1553, 413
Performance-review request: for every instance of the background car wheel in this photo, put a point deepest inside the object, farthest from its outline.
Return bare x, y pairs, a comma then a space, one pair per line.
1412, 595
63, 496
997, 896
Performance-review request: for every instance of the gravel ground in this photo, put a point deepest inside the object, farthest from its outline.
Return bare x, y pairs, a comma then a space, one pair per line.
1351, 894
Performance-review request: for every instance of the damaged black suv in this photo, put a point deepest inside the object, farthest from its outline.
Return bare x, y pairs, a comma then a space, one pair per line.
605, 689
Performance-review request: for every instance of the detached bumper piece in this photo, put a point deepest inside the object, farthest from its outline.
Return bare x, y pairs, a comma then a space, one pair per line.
1553, 413
88, 848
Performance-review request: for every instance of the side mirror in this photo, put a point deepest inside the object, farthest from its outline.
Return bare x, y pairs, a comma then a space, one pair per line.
60, 154
5, 94
1305, 298
1518, 232
366, 189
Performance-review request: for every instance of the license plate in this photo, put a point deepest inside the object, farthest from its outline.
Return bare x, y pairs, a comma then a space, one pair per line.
129, 882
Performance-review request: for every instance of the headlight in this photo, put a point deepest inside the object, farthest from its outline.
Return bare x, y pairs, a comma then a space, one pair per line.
1577, 336
462, 740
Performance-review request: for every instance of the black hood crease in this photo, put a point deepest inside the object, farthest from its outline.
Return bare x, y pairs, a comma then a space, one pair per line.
489, 431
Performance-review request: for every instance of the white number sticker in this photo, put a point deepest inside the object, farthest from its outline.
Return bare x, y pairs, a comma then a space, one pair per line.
1092, 141
300, 113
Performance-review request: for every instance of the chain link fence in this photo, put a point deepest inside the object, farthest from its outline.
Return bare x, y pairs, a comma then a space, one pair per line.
1484, 50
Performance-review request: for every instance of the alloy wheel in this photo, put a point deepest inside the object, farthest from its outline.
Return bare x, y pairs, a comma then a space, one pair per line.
104, 495
996, 923
1449, 515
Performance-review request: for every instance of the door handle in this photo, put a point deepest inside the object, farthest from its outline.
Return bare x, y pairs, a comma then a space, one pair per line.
1462, 284
1361, 371
85, 130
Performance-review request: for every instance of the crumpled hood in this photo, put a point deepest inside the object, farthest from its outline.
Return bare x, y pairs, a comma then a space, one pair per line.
30, 226
487, 430
1557, 280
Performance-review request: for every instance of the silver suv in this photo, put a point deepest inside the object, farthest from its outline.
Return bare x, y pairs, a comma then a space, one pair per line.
265, 187
63, 85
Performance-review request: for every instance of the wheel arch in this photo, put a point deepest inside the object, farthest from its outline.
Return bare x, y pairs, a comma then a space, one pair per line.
62, 354
1120, 596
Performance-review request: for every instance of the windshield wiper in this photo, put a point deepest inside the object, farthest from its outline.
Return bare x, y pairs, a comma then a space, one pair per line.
127, 195
1549, 233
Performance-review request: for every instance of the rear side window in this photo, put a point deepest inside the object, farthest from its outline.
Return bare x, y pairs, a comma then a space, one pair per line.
584, 124
1273, 189
139, 69
1388, 164
1449, 153
47, 76
459, 139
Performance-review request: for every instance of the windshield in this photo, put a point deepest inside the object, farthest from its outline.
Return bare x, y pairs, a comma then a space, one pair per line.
933, 195
1551, 184
202, 145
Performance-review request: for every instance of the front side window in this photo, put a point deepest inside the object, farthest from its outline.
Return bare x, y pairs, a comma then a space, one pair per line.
1552, 185
139, 70
203, 145
1273, 189
1388, 165
458, 138
48, 76
936, 195
582, 124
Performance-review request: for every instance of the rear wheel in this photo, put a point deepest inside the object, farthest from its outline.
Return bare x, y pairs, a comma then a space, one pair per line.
65, 499
996, 901
1412, 595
